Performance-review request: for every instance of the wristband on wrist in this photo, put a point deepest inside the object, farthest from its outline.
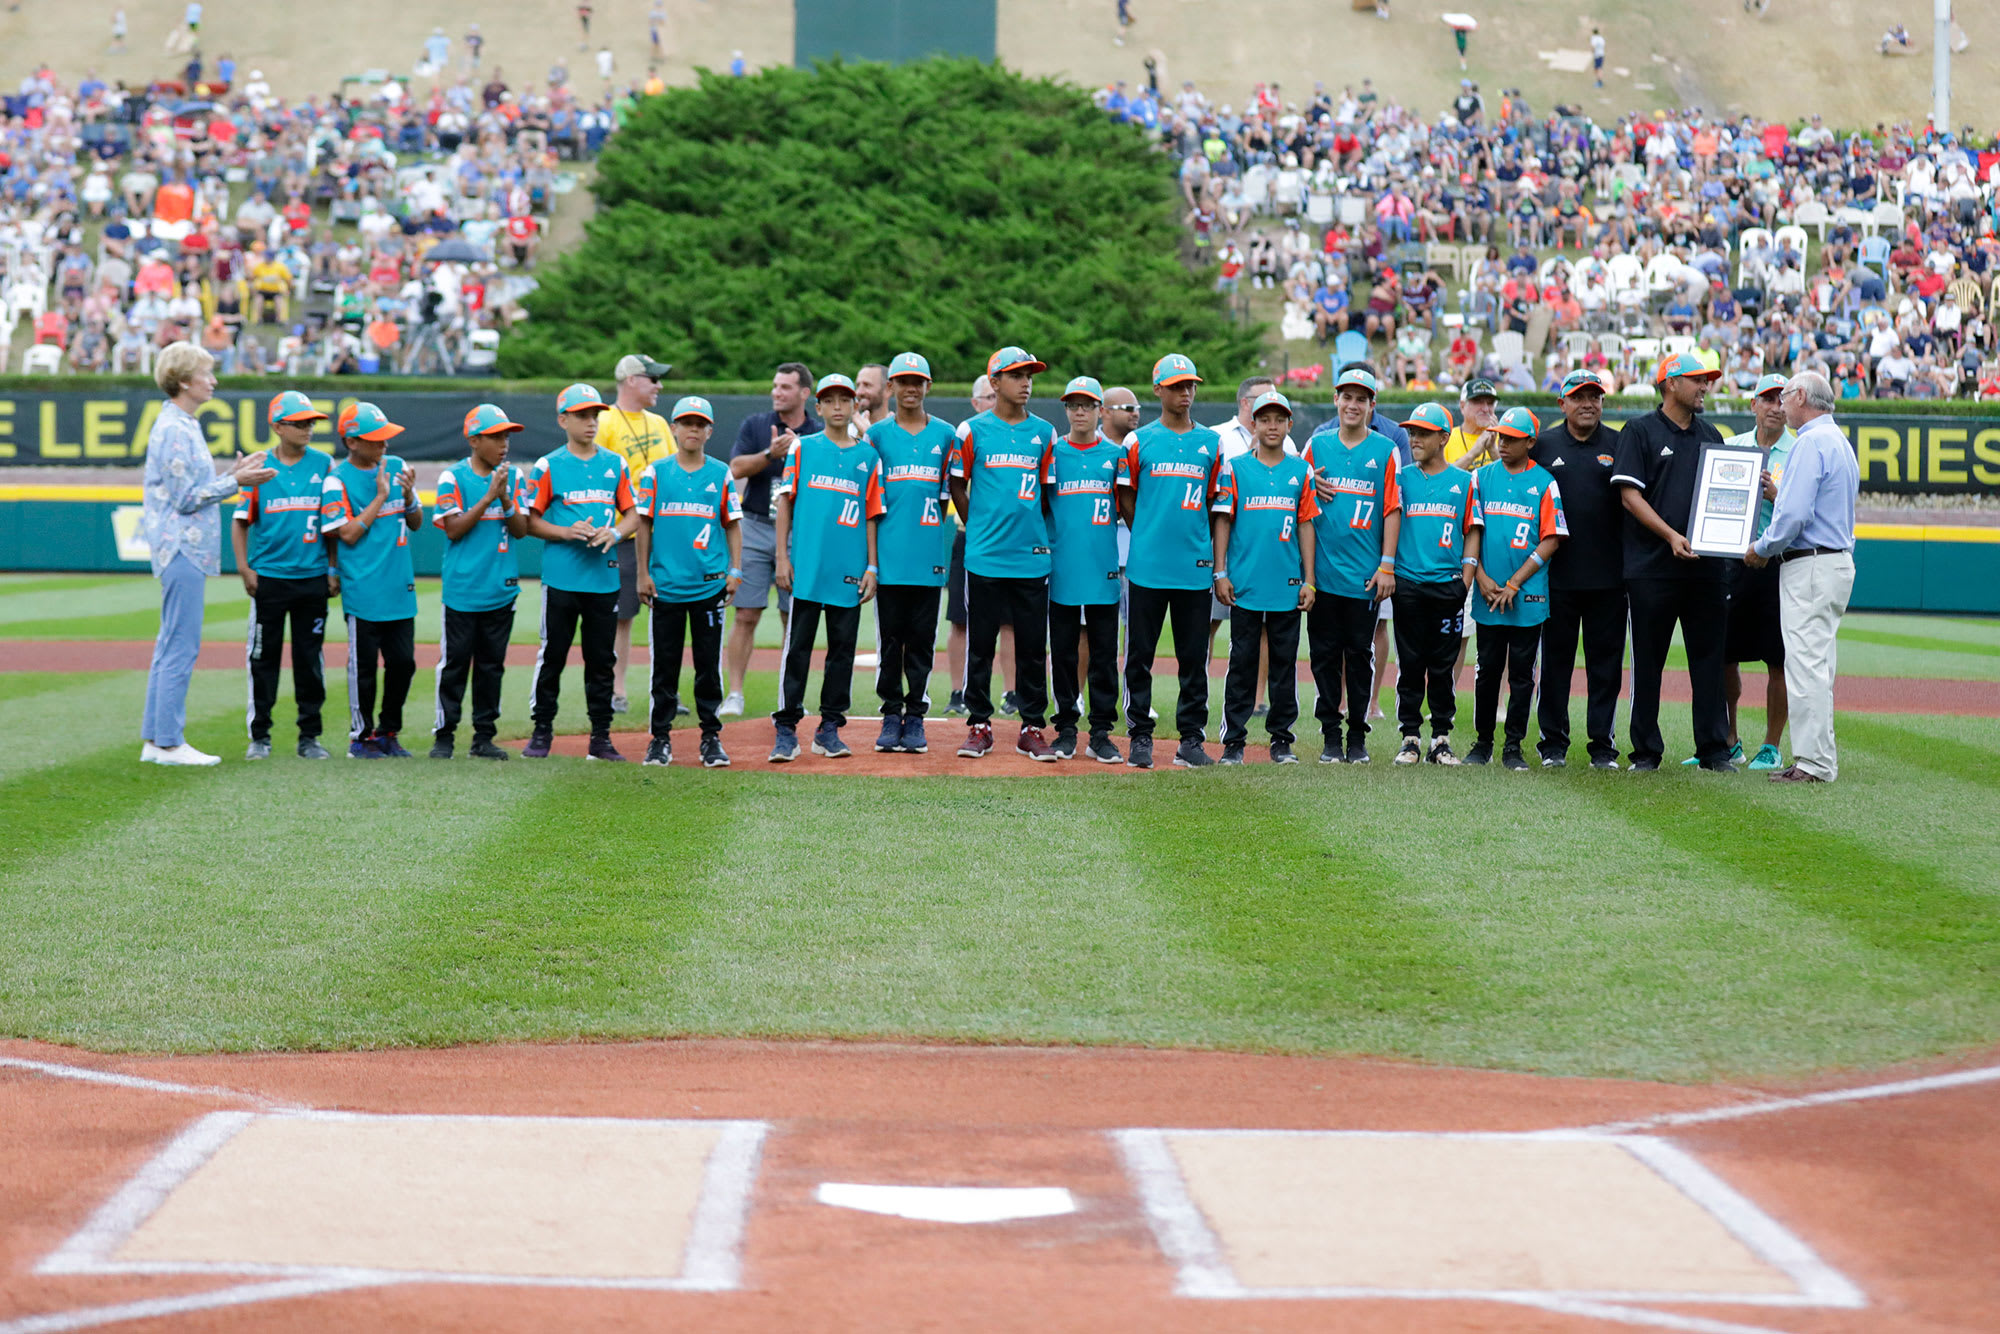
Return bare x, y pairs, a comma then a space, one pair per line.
871, 570
736, 572
1536, 557
1472, 561
1386, 565
1220, 575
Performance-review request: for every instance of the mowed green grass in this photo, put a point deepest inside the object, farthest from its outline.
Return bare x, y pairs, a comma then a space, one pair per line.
1680, 925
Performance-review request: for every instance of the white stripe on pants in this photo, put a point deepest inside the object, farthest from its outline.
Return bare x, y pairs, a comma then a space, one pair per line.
1813, 593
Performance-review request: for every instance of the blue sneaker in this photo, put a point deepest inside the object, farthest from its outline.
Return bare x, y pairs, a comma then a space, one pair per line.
827, 742
364, 748
914, 741
785, 747
892, 733
390, 747
1767, 758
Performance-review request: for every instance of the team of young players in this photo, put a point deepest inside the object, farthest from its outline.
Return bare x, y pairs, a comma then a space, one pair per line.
1280, 538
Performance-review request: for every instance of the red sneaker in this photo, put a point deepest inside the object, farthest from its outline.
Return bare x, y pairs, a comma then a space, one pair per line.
978, 740
1032, 745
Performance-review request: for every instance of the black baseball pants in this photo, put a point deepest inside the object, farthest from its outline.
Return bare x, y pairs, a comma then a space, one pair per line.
1068, 628
1701, 608
564, 615
836, 687
1429, 626
475, 645
303, 603
698, 627
1150, 609
1239, 690
394, 645
906, 617
1599, 613
1024, 604
1340, 640
1510, 650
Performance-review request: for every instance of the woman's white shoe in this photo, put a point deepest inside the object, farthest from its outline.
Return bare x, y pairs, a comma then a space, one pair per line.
185, 754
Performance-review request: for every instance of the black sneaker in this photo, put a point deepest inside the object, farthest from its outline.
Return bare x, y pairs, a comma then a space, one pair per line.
659, 752
1645, 766
1609, 762
1440, 752
1102, 750
441, 748
1140, 755
1232, 755
1357, 753
539, 742
955, 707
1010, 704
713, 756
1329, 752
1191, 754
1717, 767
310, 749
602, 749
1512, 758
1555, 761
484, 749
1065, 743
257, 750
1410, 752
1281, 753
1481, 753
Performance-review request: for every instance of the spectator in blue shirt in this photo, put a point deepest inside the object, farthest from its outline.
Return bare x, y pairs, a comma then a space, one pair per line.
1330, 311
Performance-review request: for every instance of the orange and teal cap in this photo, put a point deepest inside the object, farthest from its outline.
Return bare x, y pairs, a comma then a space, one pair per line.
1769, 384
1518, 423
1083, 386
488, 419
1684, 363
828, 383
364, 421
1357, 378
1173, 369
292, 406
694, 405
1011, 358
1583, 379
1271, 398
1429, 417
580, 398
909, 363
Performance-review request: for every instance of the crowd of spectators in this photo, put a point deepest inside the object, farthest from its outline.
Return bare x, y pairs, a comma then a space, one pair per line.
1505, 243
281, 235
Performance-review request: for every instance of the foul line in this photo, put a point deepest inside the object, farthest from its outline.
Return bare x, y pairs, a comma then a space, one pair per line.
242, 1294
83, 1074
1865, 1093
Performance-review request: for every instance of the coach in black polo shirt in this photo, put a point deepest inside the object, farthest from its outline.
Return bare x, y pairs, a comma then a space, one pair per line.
1657, 464
763, 443
1586, 575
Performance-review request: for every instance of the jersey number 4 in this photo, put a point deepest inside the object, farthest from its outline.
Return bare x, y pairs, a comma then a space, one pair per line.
701, 538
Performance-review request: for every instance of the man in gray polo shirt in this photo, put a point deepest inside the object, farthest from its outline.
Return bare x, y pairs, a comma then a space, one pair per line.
763, 443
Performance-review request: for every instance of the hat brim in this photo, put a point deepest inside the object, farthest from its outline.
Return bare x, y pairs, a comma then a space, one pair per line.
1692, 375
583, 407
386, 431
1513, 434
1355, 384
1184, 377
909, 375
296, 417
1083, 394
836, 389
1031, 366
1587, 385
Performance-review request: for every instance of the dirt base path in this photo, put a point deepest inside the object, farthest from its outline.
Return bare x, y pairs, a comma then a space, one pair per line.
1895, 1192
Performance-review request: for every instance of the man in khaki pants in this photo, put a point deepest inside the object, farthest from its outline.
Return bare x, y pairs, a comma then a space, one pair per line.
1812, 534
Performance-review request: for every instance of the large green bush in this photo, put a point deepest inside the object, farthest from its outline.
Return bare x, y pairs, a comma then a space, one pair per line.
840, 215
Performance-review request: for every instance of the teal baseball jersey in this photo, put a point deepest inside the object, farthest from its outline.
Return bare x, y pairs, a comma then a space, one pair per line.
1266, 504
377, 579
1516, 510
1348, 535
913, 545
1006, 534
563, 488
835, 489
1430, 549
1083, 521
482, 571
284, 517
690, 514
1172, 476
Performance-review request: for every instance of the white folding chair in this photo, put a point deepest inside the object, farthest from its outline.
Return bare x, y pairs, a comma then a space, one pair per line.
42, 359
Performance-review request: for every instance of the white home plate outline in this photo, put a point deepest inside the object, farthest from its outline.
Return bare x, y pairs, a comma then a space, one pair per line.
711, 1261
1203, 1269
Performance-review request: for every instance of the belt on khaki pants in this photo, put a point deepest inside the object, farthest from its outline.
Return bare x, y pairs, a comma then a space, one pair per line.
1801, 553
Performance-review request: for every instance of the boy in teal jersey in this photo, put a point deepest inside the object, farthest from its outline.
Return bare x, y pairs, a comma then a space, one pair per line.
575, 498
690, 548
828, 507
996, 483
1513, 527
283, 564
1170, 470
479, 511
368, 507
1082, 481
915, 549
1430, 586
1354, 472
1264, 553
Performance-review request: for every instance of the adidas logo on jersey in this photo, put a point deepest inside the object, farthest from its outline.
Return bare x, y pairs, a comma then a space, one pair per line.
1666, 451
1372, 463
709, 487
1455, 490
1557, 464
1534, 490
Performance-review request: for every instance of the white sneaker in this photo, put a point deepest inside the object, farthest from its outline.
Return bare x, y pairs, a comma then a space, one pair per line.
185, 754
732, 707
150, 753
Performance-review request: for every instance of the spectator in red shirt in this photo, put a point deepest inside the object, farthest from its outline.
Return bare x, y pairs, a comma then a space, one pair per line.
298, 216
524, 235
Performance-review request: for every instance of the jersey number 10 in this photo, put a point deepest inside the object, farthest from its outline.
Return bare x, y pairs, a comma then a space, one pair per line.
850, 513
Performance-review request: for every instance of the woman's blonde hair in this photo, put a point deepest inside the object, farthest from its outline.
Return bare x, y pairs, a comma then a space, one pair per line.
177, 364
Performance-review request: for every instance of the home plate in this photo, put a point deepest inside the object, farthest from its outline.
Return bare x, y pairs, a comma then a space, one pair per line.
1509, 1217
950, 1204
596, 1201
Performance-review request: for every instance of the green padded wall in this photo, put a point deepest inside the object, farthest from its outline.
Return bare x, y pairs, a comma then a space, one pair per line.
891, 30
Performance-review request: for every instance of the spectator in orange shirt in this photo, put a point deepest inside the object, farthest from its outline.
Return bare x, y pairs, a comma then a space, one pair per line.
174, 202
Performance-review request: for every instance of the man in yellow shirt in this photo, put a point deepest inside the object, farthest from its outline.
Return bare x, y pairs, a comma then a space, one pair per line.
1479, 409
641, 437
270, 281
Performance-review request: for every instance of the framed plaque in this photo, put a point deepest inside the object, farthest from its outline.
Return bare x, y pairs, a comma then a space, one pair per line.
1725, 502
